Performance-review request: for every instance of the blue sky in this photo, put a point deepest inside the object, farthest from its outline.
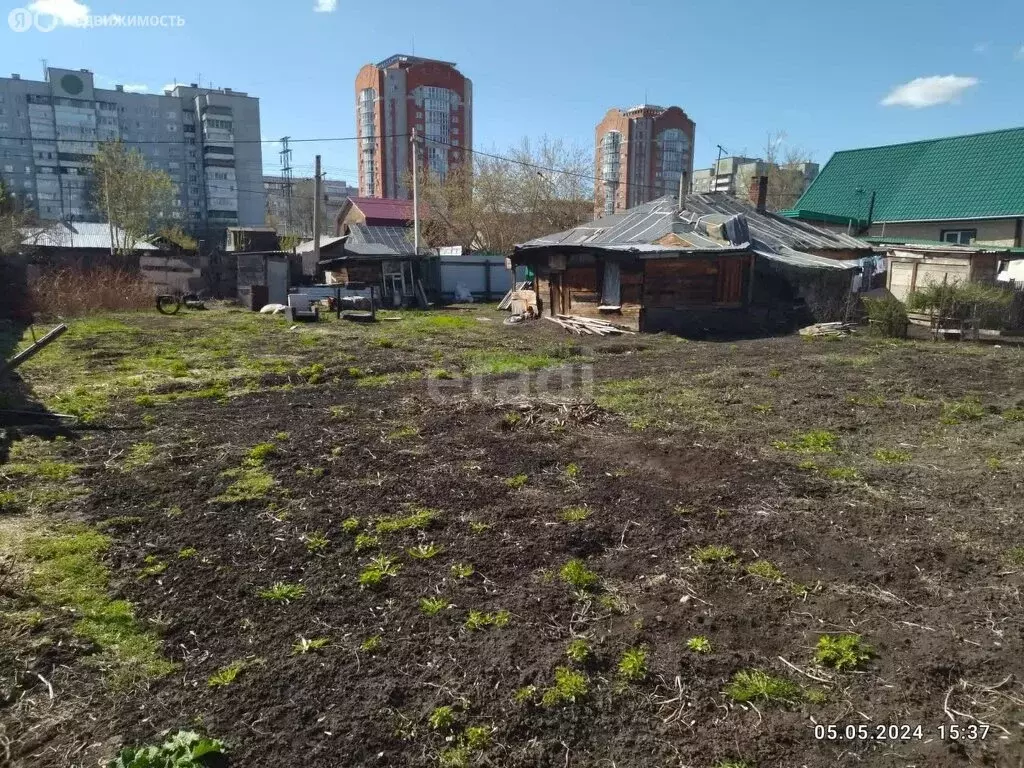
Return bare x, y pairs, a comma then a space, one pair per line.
820, 71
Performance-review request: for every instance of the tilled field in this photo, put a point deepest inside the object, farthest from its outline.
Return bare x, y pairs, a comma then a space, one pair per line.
424, 560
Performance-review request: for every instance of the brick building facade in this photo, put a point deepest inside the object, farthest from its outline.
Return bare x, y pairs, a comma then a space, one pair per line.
640, 154
399, 94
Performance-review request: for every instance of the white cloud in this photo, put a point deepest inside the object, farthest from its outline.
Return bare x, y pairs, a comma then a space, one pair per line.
929, 91
138, 88
1019, 54
69, 12
325, 6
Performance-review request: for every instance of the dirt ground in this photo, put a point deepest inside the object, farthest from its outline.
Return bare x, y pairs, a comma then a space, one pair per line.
860, 486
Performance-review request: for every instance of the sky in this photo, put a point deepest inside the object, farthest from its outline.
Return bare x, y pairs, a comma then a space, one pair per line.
830, 75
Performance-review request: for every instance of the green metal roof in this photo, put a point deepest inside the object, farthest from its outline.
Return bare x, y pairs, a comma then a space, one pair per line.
960, 177
902, 240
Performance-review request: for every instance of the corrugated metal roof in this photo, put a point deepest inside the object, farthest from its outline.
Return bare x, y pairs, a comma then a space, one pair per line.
956, 177
642, 224
80, 234
399, 211
364, 239
792, 258
771, 232
325, 242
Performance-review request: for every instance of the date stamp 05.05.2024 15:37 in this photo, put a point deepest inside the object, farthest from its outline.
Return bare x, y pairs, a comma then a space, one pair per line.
894, 732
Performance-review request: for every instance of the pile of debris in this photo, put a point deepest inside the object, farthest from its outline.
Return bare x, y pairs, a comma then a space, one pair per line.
589, 325
828, 329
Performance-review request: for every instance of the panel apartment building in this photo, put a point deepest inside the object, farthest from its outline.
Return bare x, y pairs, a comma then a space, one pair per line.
399, 94
640, 155
297, 218
207, 140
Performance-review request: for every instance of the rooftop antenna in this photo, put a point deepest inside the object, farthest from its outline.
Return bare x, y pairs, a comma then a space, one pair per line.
45, 67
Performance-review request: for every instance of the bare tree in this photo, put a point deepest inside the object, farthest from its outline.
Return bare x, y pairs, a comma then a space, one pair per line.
11, 221
785, 164
501, 199
133, 197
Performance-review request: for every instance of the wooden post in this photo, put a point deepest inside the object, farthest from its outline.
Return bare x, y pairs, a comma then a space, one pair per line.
30, 352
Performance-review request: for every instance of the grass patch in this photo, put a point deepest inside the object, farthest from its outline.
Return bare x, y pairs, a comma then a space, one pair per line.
480, 620
1014, 556
366, 541
442, 718
350, 524
424, 551
842, 652
250, 484
372, 644
139, 455
714, 553
260, 453
316, 542
575, 514
1013, 414
848, 474
959, 411
68, 575
572, 471
756, 684
658, 402
417, 520
42, 470
569, 686
283, 592
462, 570
495, 362
576, 574
516, 481
767, 570
187, 553
887, 456
815, 441
380, 568
432, 606
388, 379
403, 433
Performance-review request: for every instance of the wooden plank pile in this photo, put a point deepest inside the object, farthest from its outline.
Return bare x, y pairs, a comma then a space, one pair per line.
506, 303
828, 329
588, 325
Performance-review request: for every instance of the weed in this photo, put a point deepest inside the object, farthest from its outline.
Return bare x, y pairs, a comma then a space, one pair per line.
380, 568
967, 409
1014, 414
765, 569
226, 675
153, 567
477, 527
774, 373
572, 471
510, 420
366, 541
69, 576
575, 514
350, 524
316, 542
187, 553
808, 465
478, 737
424, 551
762, 407
516, 481
633, 664
578, 650
682, 510
462, 570
495, 362
993, 463
524, 694
887, 456
372, 644
699, 644
306, 645
283, 592
43, 470
432, 606
1014, 556
313, 374
878, 401
842, 652
569, 686
750, 684
174, 511
815, 441
454, 757
613, 603
714, 553
480, 620
442, 718
119, 521
576, 574
145, 401
185, 749
418, 520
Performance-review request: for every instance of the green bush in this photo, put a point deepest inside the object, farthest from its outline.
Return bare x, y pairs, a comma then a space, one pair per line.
962, 300
887, 316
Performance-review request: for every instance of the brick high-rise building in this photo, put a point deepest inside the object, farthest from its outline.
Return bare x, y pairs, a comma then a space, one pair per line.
640, 155
399, 94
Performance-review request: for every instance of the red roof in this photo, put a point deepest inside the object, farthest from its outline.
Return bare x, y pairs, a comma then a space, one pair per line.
384, 209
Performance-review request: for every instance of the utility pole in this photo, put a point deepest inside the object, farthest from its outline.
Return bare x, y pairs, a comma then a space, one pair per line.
286, 173
414, 144
110, 221
316, 212
718, 164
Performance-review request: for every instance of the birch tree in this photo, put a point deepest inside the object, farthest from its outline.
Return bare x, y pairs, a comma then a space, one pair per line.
133, 197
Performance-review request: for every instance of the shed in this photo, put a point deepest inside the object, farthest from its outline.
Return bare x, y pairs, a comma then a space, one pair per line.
262, 271
912, 266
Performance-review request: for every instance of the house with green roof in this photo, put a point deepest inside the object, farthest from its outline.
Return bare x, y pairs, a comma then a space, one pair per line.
960, 190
